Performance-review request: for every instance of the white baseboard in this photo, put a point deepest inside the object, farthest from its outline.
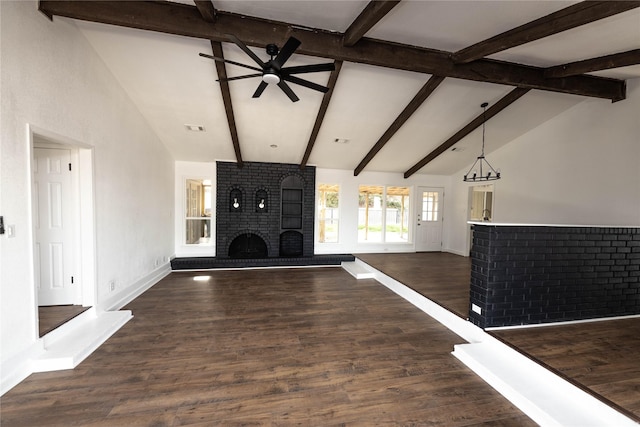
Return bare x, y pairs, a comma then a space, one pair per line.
119, 300
17, 368
456, 252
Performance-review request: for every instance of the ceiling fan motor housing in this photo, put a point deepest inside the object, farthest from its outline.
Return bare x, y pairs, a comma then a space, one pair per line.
270, 76
272, 49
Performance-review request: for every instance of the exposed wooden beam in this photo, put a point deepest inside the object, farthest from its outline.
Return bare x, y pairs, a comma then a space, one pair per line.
616, 60
206, 9
503, 103
185, 20
562, 20
44, 11
326, 99
226, 98
372, 13
408, 111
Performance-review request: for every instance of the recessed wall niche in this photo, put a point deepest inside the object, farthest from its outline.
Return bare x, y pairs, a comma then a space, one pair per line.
256, 181
262, 201
235, 200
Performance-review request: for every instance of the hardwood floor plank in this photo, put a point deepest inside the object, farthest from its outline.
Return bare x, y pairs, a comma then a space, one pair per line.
442, 277
266, 347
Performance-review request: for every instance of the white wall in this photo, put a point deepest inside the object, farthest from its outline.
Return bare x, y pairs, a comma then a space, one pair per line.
580, 168
348, 227
53, 80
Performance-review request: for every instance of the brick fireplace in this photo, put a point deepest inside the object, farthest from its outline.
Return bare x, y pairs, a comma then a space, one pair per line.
264, 208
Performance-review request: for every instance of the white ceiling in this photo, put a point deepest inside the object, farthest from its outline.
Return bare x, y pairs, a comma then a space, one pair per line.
173, 86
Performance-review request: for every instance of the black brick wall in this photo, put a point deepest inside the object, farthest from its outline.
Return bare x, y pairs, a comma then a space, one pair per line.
529, 275
261, 177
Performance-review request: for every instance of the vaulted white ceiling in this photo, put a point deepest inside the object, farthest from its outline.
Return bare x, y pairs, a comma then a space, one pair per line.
172, 86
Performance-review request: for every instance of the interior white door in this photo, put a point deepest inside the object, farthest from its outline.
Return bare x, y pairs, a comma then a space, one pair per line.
429, 219
54, 227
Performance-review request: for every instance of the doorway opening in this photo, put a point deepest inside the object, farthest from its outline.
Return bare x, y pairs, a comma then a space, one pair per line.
480, 207
63, 229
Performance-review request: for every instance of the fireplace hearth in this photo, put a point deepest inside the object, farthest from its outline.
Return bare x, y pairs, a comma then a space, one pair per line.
247, 246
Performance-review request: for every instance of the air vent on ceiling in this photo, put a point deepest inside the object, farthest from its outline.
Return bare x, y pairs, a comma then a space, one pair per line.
195, 128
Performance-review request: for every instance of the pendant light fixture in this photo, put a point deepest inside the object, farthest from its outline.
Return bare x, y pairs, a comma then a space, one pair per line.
481, 170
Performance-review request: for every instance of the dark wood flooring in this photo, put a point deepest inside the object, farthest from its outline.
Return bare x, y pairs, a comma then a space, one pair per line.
310, 347
52, 316
442, 277
601, 357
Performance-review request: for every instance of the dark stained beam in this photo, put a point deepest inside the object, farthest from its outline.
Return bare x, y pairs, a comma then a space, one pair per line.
617, 60
326, 99
562, 20
226, 98
372, 13
206, 9
44, 11
503, 103
185, 20
408, 111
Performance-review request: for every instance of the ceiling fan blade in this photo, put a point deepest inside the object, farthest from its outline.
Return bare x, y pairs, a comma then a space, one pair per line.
261, 87
287, 90
305, 83
287, 50
314, 68
215, 58
246, 50
239, 77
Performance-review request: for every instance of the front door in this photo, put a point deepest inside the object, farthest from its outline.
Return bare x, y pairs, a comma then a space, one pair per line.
54, 227
429, 220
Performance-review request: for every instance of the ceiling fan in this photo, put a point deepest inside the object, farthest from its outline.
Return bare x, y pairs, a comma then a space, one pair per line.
274, 71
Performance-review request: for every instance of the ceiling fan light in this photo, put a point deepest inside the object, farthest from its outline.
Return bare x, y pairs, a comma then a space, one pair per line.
270, 78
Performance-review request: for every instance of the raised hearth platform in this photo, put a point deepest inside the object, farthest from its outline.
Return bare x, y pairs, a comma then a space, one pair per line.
206, 263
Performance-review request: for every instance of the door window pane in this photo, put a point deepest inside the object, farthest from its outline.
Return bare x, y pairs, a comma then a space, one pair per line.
429, 206
328, 213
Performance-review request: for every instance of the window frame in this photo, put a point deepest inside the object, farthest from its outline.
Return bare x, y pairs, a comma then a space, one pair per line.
206, 219
318, 208
383, 213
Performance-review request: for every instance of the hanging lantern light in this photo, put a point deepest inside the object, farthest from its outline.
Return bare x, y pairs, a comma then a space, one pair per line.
481, 170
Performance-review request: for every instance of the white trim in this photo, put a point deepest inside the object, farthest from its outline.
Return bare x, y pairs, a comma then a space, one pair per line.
565, 323
455, 252
77, 339
84, 205
17, 368
545, 397
506, 224
128, 294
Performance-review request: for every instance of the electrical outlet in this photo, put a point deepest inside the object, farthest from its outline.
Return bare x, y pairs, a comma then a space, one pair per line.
112, 285
476, 309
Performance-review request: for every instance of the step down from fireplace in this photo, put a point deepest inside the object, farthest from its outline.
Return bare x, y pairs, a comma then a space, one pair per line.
205, 263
